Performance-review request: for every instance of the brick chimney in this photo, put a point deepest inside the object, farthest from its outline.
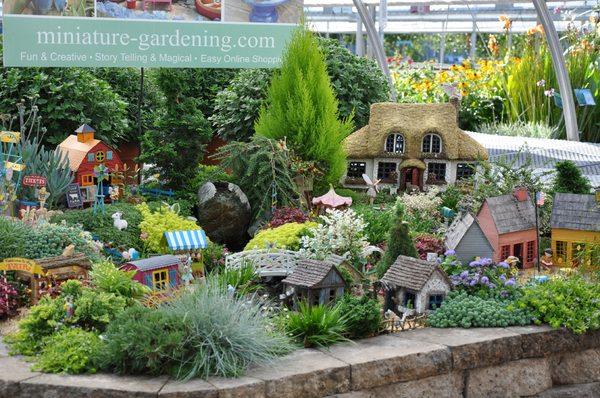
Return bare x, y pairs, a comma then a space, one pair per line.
85, 133
520, 193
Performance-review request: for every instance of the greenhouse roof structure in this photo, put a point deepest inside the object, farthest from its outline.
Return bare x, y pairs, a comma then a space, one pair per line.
442, 16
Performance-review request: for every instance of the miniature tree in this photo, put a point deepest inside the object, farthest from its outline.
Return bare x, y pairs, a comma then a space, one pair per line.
302, 108
569, 179
399, 241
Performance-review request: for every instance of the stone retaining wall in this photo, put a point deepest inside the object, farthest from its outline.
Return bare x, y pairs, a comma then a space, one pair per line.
440, 363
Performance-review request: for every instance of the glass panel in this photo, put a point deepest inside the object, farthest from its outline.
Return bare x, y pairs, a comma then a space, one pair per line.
426, 143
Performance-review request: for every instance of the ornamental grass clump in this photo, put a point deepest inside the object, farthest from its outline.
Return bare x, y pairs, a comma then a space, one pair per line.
204, 332
316, 326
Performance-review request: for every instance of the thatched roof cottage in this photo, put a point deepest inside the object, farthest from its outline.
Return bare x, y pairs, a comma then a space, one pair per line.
417, 144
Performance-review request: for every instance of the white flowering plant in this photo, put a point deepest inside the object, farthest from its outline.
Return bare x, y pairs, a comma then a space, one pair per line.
341, 233
423, 210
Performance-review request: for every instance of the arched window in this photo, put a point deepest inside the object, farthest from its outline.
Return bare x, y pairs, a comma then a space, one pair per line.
432, 143
394, 143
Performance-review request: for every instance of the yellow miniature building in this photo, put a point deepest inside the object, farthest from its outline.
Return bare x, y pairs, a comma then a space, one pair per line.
575, 224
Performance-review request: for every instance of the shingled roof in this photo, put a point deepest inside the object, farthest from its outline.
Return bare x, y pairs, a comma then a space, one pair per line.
309, 273
459, 227
575, 211
77, 259
411, 273
511, 215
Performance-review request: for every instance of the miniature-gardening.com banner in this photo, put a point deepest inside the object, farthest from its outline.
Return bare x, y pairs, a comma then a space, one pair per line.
98, 42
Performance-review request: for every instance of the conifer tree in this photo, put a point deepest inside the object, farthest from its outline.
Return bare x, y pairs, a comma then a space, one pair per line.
302, 107
569, 179
399, 241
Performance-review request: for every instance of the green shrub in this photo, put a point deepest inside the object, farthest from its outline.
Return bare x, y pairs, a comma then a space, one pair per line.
69, 351
363, 316
378, 222
109, 279
102, 225
141, 340
156, 223
213, 257
286, 236
48, 240
571, 302
451, 197
316, 326
399, 241
95, 309
301, 107
460, 309
570, 179
42, 320
199, 334
243, 278
519, 129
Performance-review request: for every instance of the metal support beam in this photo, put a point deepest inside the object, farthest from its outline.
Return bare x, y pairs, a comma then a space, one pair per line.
473, 49
360, 39
376, 43
560, 69
370, 44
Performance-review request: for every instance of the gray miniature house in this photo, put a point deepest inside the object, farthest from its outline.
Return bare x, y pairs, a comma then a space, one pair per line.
414, 285
316, 282
467, 239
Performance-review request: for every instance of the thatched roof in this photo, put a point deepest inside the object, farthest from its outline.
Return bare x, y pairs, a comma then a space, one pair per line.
77, 259
414, 121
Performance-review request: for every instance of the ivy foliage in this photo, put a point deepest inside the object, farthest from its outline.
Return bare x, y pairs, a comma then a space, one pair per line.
302, 108
67, 98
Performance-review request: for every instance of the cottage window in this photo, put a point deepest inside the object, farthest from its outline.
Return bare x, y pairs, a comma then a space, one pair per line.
100, 156
394, 143
432, 143
332, 294
504, 252
356, 169
160, 279
464, 171
435, 300
386, 171
109, 155
561, 250
410, 299
438, 170
315, 297
90, 157
530, 251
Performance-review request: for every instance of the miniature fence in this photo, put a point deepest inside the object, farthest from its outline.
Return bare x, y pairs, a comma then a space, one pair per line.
411, 322
157, 193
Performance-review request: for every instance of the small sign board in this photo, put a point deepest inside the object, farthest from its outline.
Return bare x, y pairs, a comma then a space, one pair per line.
557, 100
74, 198
584, 97
34, 180
21, 264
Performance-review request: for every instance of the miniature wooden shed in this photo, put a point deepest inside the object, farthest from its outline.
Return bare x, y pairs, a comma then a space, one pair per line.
508, 222
467, 239
414, 285
62, 268
575, 222
316, 282
158, 273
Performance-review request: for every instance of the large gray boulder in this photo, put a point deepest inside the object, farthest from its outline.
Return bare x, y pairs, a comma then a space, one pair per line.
224, 213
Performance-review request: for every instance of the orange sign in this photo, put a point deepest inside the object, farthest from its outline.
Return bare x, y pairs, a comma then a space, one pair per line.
21, 264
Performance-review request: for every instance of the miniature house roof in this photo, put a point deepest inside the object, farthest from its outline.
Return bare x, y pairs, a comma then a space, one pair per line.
149, 264
332, 200
459, 227
75, 150
310, 273
77, 260
84, 128
413, 121
411, 273
575, 211
511, 215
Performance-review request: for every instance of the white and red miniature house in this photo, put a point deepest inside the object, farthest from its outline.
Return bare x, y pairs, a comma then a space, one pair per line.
86, 152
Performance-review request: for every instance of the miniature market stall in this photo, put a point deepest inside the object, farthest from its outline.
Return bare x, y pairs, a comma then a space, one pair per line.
316, 282
414, 286
61, 268
575, 222
410, 146
85, 153
467, 239
24, 269
508, 222
158, 273
188, 244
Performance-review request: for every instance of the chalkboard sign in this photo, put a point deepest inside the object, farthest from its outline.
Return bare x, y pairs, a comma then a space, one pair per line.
74, 198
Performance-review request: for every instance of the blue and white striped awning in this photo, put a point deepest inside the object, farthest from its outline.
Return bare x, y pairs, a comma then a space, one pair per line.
186, 240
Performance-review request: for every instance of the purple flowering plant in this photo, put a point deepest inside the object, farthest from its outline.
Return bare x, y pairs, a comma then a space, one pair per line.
481, 275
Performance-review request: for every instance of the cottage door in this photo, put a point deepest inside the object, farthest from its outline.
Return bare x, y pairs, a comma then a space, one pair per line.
518, 253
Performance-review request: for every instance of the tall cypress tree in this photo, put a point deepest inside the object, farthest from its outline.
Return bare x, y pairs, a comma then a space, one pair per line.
398, 242
569, 179
302, 107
